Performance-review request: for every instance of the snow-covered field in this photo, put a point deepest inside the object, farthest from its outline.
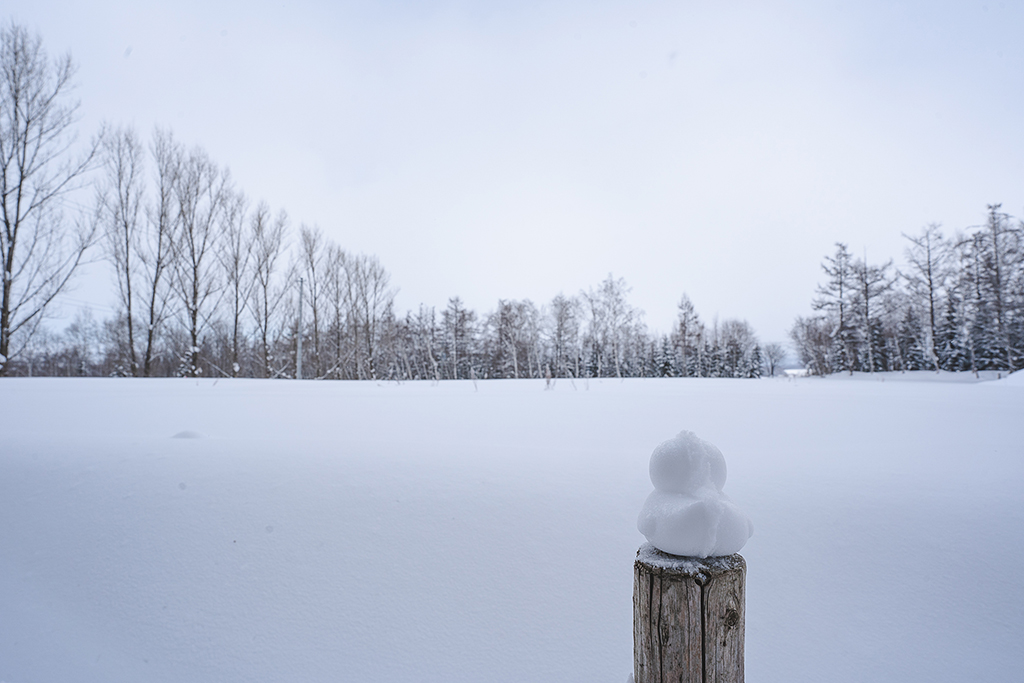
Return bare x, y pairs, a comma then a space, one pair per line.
336, 531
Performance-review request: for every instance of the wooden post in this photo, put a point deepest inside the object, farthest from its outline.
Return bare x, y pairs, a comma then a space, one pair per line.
688, 616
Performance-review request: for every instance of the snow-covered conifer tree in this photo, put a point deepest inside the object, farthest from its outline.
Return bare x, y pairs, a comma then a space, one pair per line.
835, 297
871, 283
927, 258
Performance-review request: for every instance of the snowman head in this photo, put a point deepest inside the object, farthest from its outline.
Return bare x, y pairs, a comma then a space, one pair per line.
686, 464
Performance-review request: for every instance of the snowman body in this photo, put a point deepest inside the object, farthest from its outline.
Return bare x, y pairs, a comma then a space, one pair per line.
688, 514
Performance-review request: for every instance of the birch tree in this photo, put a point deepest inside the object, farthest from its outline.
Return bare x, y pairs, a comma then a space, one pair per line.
515, 328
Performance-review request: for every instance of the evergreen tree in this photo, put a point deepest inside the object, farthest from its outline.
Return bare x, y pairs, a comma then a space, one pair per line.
949, 346
836, 297
927, 258
664, 364
909, 338
872, 283
732, 359
755, 363
713, 366
687, 336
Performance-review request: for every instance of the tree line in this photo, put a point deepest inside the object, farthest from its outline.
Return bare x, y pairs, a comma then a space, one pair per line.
209, 283
957, 304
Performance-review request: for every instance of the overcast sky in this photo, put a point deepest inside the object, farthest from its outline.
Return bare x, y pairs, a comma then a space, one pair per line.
521, 149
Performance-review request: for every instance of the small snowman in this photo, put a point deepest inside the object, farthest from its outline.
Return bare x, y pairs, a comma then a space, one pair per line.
687, 513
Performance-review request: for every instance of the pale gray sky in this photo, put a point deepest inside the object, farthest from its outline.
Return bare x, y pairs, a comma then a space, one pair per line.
521, 149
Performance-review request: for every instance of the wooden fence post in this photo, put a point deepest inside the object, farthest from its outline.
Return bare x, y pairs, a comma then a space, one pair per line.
688, 616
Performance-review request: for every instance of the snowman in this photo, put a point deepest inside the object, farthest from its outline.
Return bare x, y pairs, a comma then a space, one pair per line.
687, 513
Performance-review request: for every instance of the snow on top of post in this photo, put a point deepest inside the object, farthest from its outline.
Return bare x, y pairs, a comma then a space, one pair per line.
696, 567
688, 514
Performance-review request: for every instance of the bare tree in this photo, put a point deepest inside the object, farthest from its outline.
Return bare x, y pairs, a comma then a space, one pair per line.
458, 322
427, 341
927, 258
314, 256
120, 202
516, 327
814, 343
611, 321
774, 354
267, 294
235, 257
200, 193
39, 251
156, 251
372, 301
871, 282
687, 335
564, 335
81, 344
338, 293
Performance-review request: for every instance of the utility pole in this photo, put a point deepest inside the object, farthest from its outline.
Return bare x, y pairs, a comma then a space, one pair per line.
298, 346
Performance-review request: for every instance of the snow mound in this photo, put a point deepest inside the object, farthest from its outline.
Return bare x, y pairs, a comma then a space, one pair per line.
1014, 379
687, 513
187, 434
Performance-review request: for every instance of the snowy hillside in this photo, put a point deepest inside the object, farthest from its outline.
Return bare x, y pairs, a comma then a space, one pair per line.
339, 531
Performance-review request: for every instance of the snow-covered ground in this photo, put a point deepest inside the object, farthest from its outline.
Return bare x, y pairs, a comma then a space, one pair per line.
337, 531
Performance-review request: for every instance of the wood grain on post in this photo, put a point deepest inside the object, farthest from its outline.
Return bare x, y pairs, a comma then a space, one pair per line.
688, 616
